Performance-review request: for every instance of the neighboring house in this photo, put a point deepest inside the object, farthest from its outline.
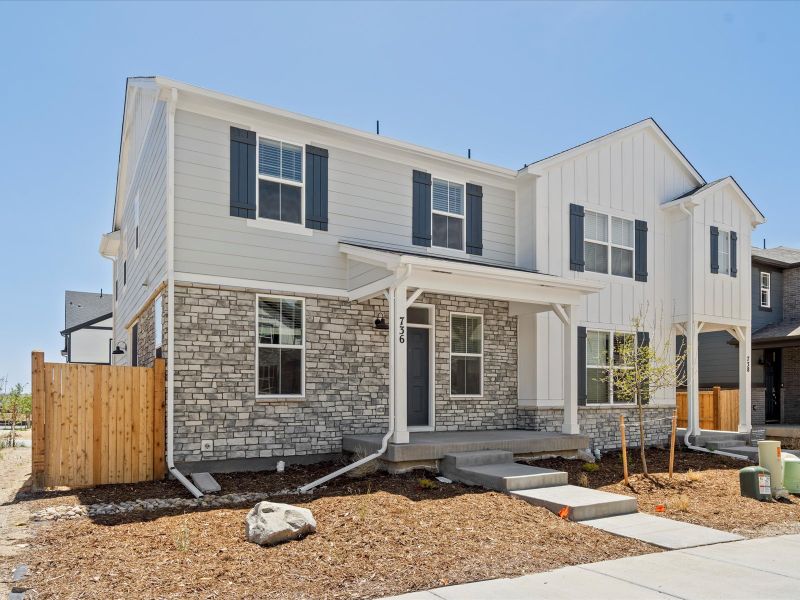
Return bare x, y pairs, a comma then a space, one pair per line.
306, 280
775, 339
88, 327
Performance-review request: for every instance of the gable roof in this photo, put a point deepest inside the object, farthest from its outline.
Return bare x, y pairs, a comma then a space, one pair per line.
84, 308
648, 123
729, 180
780, 256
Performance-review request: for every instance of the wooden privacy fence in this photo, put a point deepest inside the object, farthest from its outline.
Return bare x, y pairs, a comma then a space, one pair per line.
719, 409
96, 424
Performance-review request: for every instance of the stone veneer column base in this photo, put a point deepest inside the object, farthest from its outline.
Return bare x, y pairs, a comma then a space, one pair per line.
601, 424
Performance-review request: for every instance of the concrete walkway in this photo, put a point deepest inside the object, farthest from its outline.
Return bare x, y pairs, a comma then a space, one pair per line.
758, 568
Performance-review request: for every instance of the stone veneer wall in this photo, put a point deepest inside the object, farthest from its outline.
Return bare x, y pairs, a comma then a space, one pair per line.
601, 423
496, 408
758, 402
147, 336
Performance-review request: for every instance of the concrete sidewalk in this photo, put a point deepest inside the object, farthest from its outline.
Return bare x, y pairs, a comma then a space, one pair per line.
758, 568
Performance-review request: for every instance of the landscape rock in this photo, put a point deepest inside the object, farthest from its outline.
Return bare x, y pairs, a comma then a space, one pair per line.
270, 523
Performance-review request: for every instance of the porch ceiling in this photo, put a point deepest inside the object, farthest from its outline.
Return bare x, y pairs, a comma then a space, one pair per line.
461, 277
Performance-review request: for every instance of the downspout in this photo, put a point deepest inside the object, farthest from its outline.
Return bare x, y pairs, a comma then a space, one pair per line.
690, 404
390, 296
171, 105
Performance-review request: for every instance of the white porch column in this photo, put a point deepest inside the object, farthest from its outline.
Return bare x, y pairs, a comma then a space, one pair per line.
570, 424
745, 399
400, 331
692, 375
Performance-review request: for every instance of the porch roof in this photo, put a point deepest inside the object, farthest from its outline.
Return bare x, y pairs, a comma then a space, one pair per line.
461, 277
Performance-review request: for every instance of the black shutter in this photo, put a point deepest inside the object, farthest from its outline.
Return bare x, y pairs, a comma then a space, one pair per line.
474, 219
714, 249
135, 345
576, 261
581, 366
734, 239
641, 250
243, 173
316, 188
643, 341
421, 209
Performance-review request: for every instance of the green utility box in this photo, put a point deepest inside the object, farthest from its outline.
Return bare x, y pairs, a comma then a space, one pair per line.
791, 473
754, 483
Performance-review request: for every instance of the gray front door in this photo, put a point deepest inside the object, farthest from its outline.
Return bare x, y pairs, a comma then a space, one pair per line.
418, 377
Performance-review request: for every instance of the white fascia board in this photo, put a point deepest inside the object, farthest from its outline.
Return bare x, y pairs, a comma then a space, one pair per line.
189, 92
109, 244
695, 199
539, 167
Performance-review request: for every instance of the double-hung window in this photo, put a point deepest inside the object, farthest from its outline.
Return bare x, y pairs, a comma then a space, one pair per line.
608, 244
766, 300
466, 355
725, 252
603, 360
280, 338
447, 225
280, 181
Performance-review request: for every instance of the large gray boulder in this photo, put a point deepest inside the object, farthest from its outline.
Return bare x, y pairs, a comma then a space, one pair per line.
270, 523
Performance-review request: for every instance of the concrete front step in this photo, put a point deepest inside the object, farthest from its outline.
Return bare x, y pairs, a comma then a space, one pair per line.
507, 477
722, 444
582, 503
458, 460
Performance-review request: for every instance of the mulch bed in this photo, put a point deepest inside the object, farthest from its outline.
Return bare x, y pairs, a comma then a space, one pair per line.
709, 495
378, 536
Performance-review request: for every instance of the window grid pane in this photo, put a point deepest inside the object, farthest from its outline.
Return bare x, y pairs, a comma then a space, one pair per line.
280, 160
595, 257
439, 193
595, 226
622, 232
621, 262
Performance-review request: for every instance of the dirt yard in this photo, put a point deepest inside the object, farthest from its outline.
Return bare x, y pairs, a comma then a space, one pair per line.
704, 490
376, 536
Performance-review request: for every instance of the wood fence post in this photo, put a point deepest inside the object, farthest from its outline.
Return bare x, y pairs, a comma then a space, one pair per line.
717, 417
159, 414
672, 443
624, 448
38, 423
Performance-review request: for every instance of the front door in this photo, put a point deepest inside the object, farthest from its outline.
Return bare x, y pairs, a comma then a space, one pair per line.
772, 385
418, 377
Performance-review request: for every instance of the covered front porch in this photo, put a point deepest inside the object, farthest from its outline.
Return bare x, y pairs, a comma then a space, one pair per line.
406, 280
425, 448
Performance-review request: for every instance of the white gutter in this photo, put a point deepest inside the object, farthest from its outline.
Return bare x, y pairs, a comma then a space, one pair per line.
390, 296
172, 102
692, 328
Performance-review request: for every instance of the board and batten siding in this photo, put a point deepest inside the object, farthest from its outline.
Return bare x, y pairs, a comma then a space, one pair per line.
369, 202
629, 176
148, 264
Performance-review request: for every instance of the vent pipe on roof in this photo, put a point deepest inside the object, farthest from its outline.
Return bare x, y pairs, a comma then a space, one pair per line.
469, 152
377, 127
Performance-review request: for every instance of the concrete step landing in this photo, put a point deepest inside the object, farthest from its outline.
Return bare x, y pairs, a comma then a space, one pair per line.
496, 470
581, 503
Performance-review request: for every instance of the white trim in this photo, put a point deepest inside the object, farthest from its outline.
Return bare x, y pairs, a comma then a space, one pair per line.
767, 289
292, 226
431, 327
610, 367
302, 347
281, 226
462, 217
451, 354
610, 244
724, 249
692, 199
266, 286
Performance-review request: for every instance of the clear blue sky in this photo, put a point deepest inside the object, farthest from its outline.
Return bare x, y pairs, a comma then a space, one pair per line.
515, 82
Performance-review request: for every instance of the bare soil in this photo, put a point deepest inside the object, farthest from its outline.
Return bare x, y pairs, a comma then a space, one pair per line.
704, 490
378, 536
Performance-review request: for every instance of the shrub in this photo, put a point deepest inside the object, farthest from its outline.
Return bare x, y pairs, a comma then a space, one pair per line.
583, 480
680, 504
590, 467
427, 484
694, 476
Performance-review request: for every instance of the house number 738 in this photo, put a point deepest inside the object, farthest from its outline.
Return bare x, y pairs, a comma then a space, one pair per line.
402, 330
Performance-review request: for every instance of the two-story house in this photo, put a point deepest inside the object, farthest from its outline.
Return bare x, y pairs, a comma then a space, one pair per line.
309, 283
775, 290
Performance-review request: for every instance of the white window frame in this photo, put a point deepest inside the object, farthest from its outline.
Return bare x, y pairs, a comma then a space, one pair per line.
302, 347
609, 244
467, 354
724, 249
610, 367
463, 217
277, 224
765, 289
431, 327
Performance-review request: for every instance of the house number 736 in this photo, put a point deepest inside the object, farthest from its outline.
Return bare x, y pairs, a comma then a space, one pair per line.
402, 330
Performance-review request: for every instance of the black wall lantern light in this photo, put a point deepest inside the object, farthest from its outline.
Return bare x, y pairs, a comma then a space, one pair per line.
121, 348
380, 322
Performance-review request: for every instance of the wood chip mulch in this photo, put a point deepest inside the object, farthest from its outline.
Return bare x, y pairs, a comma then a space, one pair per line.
378, 536
709, 495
